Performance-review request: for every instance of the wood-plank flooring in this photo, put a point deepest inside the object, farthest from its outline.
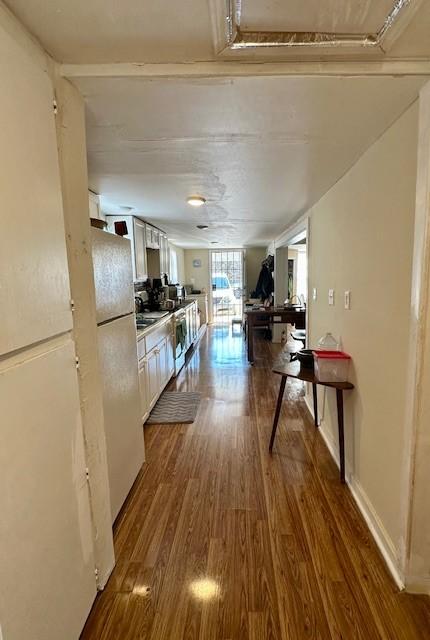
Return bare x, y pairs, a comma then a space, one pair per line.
218, 540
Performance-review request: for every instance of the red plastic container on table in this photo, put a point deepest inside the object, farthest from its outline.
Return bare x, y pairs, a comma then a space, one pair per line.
331, 366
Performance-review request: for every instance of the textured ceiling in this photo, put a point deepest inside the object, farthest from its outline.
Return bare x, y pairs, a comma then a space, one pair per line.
94, 31
261, 150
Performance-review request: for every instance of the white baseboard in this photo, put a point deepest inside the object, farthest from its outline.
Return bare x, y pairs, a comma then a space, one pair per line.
418, 585
376, 528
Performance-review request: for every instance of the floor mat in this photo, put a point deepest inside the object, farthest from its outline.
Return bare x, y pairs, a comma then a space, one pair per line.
175, 406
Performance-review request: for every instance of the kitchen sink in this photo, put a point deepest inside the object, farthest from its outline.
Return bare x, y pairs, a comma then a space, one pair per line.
141, 323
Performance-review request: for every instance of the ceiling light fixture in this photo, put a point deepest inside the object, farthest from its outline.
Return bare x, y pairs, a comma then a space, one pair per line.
196, 201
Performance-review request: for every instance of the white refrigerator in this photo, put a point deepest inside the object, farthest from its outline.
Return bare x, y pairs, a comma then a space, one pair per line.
117, 347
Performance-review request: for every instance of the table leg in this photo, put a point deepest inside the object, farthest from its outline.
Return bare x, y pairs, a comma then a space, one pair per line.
339, 399
314, 393
278, 411
250, 345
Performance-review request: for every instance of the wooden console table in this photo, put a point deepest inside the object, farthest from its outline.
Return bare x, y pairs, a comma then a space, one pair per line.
271, 315
295, 370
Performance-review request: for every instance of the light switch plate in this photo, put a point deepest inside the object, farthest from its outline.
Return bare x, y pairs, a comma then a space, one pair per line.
347, 300
314, 293
331, 297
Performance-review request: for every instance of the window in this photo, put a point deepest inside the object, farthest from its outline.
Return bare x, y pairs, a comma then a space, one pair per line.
174, 275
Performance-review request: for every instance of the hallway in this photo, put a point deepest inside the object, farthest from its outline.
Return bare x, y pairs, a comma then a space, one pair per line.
220, 541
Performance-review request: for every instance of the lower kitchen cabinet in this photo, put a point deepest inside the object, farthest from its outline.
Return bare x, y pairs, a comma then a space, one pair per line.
153, 375
170, 358
144, 396
156, 367
156, 357
166, 360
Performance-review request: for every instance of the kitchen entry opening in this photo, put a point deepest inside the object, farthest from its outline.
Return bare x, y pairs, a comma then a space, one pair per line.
227, 286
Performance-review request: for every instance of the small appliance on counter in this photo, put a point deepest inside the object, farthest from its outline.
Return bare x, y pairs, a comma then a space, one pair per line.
141, 301
176, 292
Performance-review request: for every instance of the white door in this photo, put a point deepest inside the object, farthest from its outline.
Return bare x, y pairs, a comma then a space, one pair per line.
153, 368
34, 283
47, 581
113, 275
170, 356
122, 406
143, 386
227, 285
166, 359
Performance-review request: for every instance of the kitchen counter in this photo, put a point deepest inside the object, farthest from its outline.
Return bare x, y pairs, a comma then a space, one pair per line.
144, 331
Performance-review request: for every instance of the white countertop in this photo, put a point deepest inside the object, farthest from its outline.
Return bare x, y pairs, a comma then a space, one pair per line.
142, 332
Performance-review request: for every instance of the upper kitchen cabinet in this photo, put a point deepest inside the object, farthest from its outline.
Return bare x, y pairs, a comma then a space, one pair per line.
94, 206
152, 237
141, 267
137, 235
34, 277
47, 563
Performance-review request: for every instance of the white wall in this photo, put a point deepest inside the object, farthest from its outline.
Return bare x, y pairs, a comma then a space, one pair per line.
181, 262
254, 256
417, 452
361, 239
200, 275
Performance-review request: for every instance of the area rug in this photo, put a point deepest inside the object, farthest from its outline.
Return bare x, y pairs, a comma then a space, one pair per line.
175, 406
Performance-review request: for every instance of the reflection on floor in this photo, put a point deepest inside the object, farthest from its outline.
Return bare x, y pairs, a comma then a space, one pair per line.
221, 541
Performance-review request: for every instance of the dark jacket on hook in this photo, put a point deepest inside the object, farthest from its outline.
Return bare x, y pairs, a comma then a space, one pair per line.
265, 285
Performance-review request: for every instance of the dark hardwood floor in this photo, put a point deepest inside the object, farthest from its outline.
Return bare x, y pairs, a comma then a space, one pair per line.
220, 541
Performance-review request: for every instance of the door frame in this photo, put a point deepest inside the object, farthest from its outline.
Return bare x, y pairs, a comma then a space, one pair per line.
210, 298
296, 232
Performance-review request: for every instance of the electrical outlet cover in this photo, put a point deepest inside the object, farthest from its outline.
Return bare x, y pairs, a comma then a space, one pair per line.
347, 300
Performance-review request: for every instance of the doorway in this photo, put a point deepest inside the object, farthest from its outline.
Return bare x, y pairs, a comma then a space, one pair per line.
227, 286
297, 273
291, 273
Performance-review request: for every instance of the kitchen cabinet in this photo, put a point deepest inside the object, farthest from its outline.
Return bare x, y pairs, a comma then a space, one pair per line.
141, 268
153, 375
47, 562
188, 321
202, 305
152, 237
34, 291
156, 364
144, 395
191, 323
166, 360
137, 236
94, 206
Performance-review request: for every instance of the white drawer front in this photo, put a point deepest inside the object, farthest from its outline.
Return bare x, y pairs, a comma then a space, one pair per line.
153, 338
141, 348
